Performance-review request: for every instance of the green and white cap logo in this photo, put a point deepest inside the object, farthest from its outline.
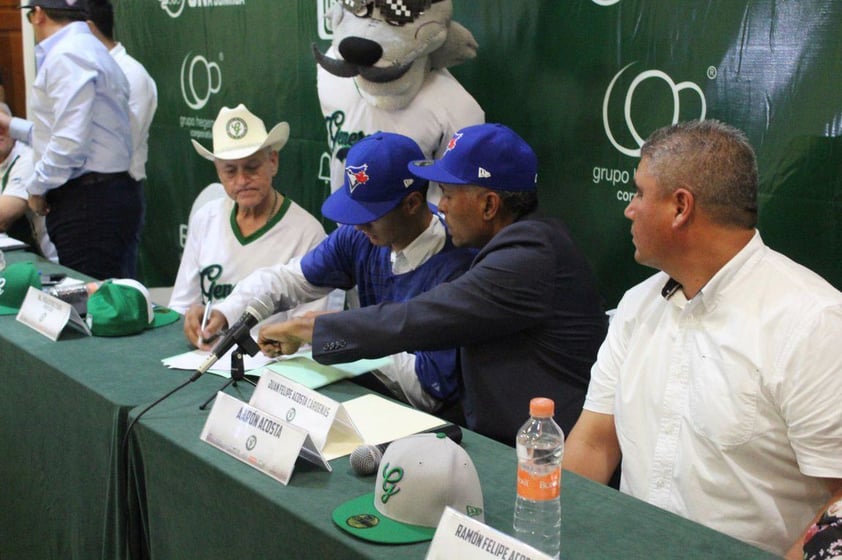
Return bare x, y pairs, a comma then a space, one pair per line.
418, 477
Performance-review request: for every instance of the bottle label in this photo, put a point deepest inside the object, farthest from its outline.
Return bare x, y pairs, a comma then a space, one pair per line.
534, 487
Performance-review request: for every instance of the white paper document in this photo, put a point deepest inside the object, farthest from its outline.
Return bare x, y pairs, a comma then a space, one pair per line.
193, 359
300, 367
380, 420
10, 243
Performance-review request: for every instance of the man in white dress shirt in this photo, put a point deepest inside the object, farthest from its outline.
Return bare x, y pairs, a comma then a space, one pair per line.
143, 93
719, 382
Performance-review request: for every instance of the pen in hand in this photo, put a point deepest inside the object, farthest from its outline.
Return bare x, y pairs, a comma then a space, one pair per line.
205, 316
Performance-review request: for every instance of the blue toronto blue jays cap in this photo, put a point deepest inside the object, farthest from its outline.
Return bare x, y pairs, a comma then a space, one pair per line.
488, 155
376, 179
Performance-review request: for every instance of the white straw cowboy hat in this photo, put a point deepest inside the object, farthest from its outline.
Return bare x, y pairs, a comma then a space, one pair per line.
238, 133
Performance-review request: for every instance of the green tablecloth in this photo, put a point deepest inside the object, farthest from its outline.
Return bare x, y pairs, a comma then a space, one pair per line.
198, 502
63, 411
64, 408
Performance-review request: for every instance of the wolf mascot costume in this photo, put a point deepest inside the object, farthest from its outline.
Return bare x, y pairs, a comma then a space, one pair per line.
386, 70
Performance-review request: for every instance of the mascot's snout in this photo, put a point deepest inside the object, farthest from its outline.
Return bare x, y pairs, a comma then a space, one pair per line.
387, 70
390, 46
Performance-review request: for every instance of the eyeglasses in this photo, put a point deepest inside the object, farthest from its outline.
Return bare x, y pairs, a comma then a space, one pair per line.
396, 12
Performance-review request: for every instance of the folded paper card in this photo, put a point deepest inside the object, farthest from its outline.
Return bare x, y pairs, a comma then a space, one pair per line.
257, 438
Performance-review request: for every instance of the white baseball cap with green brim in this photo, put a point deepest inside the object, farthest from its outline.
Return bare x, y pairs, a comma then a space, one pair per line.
417, 478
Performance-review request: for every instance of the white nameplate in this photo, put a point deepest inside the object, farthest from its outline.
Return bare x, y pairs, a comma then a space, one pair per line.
460, 536
257, 438
49, 315
326, 420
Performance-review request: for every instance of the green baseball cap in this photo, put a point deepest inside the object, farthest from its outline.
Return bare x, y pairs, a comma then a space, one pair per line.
122, 307
15, 281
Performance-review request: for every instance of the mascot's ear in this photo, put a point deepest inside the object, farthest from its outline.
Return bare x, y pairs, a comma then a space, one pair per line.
459, 47
335, 14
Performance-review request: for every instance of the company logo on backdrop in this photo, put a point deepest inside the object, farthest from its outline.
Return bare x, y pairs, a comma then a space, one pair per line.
174, 8
674, 88
623, 130
200, 78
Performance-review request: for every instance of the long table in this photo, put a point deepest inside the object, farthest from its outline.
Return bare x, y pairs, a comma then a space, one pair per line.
201, 503
63, 412
67, 491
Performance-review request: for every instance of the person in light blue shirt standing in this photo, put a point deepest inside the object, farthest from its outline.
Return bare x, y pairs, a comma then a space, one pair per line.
81, 137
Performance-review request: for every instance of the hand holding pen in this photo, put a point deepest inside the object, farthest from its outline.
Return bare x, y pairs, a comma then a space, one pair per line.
205, 316
203, 325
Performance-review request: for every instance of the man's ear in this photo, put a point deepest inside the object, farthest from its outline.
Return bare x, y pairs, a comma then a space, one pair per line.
685, 206
414, 200
492, 204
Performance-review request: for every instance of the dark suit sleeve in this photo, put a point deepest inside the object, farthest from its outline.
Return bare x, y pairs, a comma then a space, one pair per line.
504, 292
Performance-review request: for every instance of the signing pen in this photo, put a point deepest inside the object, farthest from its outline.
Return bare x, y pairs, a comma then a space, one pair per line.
205, 318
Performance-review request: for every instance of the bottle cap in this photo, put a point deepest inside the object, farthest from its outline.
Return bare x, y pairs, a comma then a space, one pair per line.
541, 407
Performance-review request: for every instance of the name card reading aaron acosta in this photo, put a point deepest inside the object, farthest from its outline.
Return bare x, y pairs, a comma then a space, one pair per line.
257, 438
460, 536
329, 424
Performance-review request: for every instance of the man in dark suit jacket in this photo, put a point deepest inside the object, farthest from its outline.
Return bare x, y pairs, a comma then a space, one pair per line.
527, 314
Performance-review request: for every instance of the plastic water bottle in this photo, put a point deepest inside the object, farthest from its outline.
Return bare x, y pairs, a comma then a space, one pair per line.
540, 446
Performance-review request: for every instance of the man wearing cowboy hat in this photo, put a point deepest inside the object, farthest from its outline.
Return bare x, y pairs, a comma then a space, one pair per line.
82, 142
252, 227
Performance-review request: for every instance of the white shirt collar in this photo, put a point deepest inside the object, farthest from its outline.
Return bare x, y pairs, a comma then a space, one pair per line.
421, 249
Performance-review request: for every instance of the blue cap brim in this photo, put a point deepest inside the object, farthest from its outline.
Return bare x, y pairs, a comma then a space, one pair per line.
432, 170
343, 209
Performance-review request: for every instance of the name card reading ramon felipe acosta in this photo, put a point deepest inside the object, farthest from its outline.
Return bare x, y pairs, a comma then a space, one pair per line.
257, 438
460, 536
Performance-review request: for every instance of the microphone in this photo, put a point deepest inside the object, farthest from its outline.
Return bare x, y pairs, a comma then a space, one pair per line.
366, 458
258, 309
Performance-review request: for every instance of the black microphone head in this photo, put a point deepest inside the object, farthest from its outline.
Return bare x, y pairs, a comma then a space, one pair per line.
365, 459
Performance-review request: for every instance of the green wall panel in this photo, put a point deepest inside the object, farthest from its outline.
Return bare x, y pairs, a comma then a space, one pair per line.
584, 81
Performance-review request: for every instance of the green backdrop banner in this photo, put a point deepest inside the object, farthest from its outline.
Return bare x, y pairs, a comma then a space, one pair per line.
584, 81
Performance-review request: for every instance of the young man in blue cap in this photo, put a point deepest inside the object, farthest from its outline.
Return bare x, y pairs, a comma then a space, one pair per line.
527, 314
391, 247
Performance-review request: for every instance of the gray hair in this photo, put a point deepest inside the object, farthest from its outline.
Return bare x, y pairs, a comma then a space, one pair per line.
711, 159
5, 108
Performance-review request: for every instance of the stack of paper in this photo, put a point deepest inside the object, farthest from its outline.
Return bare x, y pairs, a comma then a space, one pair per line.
300, 367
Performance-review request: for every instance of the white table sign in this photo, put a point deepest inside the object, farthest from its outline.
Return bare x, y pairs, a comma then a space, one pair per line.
257, 438
326, 420
49, 315
465, 538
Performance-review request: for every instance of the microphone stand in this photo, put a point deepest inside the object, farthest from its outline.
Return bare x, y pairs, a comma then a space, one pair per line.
238, 372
